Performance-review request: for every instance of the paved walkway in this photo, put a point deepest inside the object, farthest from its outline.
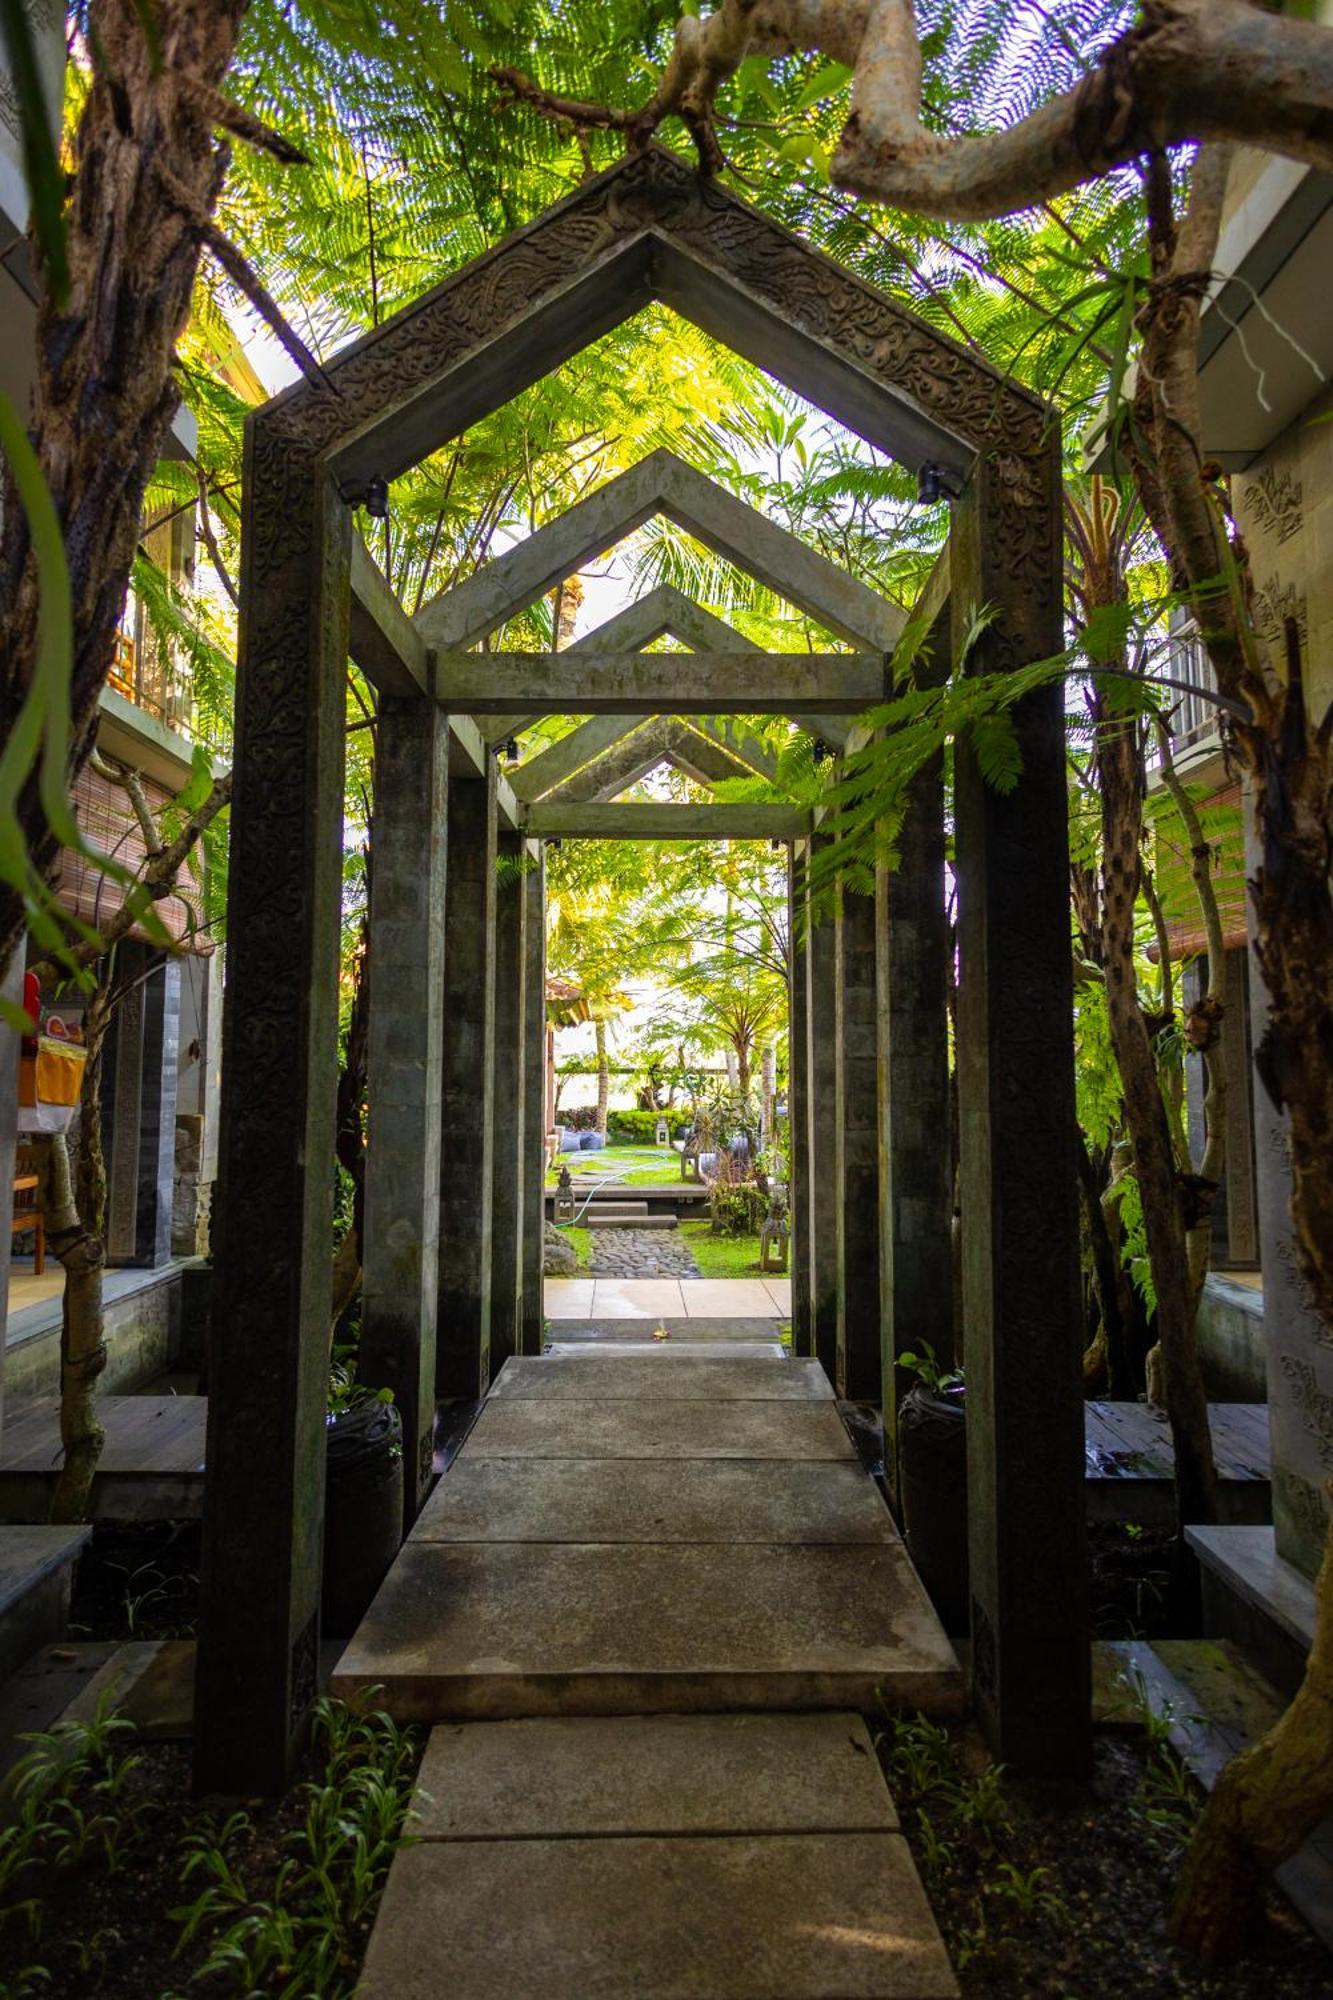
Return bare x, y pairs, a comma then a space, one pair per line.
647, 1608
674, 1298
641, 1253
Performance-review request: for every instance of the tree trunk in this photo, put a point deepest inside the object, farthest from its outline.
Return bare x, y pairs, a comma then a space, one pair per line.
146, 169
1108, 1277
768, 1071
603, 1078
1160, 1193
1266, 1804
75, 1205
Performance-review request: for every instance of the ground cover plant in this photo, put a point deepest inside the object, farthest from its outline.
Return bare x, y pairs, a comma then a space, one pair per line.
1063, 1893
114, 1882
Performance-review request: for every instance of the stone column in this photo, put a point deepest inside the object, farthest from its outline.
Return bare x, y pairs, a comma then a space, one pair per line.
11, 989
509, 1153
916, 1251
822, 1071
464, 1325
856, 1033
1020, 1225
798, 1103
257, 1669
400, 1255
139, 1076
1297, 1350
531, 1320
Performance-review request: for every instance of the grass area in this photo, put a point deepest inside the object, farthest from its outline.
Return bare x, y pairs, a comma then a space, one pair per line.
722, 1256
645, 1165
581, 1240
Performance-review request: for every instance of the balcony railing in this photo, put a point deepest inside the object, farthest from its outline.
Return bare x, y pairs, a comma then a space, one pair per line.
1194, 709
139, 674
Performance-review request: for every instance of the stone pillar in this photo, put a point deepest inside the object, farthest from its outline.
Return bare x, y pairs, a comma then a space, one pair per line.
798, 1102
509, 1153
404, 1058
857, 1112
531, 1320
1297, 1351
11, 990
139, 1074
257, 1669
464, 1325
822, 1071
916, 1250
1020, 1224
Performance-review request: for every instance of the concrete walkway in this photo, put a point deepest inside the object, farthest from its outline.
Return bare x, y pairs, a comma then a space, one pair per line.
647, 1607
655, 1298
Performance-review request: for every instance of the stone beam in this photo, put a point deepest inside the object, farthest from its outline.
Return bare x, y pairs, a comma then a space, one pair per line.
548, 771
643, 821
384, 642
641, 751
471, 756
755, 758
798, 1102
532, 1253
660, 683
661, 484
508, 1109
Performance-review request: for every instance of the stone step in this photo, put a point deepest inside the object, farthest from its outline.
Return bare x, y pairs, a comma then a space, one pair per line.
616, 1207
490, 1630
728, 1857
601, 1218
527, 1427
660, 1373
36, 1572
636, 1500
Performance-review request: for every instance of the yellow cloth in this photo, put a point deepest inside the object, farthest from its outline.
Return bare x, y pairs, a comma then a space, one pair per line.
54, 1075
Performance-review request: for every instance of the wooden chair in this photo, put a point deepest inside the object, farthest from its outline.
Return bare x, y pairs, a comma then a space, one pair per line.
26, 1214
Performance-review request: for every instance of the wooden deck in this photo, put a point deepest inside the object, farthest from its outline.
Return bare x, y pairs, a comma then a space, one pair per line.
1130, 1463
152, 1465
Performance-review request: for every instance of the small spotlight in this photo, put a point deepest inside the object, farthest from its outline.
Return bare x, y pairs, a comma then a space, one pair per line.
937, 482
821, 751
376, 502
511, 750
553, 842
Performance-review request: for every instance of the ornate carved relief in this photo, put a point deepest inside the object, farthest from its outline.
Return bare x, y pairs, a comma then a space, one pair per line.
1274, 502
1275, 602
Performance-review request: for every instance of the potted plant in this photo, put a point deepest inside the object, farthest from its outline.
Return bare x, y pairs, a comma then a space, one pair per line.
363, 1497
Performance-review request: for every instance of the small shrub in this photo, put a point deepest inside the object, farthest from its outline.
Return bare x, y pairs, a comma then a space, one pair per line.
639, 1128
583, 1118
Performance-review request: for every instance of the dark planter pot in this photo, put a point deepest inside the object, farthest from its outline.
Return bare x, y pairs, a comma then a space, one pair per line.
932, 1458
363, 1512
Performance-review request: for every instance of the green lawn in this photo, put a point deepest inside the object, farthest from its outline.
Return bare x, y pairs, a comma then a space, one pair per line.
721, 1256
647, 1165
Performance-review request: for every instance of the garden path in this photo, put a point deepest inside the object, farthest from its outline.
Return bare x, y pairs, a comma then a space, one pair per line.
647, 1608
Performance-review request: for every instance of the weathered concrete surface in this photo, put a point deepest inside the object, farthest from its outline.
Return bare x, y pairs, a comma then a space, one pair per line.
857, 1112
662, 1374
514, 1428
400, 1283
651, 1774
734, 1917
627, 683
661, 484
681, 1333
614, 1500
467, 1105
509, 1156
507, 1629
534, 1102
822, 1118
798, 1101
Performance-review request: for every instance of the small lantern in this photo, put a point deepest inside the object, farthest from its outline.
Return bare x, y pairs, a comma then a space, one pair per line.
662, 1136
774, 1236
564, 1197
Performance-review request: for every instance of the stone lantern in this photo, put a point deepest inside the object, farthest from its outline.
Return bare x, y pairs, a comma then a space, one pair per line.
564, 1197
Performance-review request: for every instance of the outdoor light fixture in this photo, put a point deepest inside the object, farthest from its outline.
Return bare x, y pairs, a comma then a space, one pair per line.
376, 502
937, 482
511, 750
553, 842
820, 751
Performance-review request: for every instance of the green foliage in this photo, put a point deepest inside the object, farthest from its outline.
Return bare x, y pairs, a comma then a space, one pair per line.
640, 1127
924, 1364
299, 1935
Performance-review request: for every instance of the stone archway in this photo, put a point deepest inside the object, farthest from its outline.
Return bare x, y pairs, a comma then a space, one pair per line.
648, 229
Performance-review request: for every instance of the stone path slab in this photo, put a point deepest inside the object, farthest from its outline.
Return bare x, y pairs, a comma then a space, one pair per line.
658, 1298
640, 1500
515, 1427
738, 1350
507, 1629
731, 1917
659, 1373
728, 1328
650, 1774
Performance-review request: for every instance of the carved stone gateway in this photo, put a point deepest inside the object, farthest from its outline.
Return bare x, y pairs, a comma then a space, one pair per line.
648, 229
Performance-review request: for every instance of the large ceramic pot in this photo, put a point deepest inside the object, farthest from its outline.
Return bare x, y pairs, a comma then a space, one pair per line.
932, 1460
363, 1511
